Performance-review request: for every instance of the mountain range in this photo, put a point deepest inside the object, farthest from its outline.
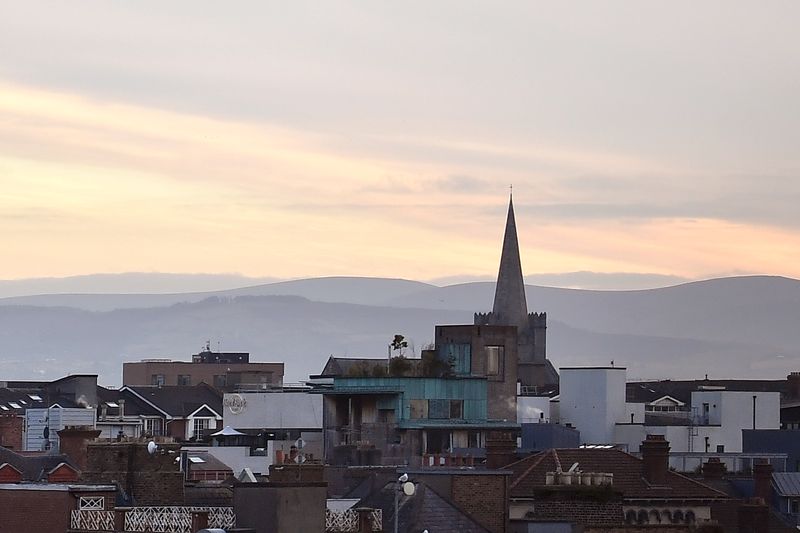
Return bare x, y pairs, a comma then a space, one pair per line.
734, 327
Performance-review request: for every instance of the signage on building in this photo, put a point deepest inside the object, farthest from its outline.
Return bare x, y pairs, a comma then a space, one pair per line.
235, 402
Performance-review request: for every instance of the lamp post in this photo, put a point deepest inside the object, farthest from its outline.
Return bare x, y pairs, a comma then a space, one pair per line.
407, 488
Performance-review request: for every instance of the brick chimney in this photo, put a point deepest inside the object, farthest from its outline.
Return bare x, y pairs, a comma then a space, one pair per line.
714, 469
762, 478
753, 516
655, 459
74, 441
501, 447
793, 382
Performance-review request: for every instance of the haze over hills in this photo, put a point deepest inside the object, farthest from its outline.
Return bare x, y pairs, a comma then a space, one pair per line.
732, 327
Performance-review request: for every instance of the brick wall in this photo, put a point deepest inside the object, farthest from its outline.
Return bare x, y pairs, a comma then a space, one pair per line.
11, 432
34, 511
150, 479
484, 498
595, 508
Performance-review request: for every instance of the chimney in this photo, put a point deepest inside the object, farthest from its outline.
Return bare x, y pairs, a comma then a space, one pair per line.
74, 441
762, 478
793, 382
753, 516
655, 459
501, 447
714, 469
121, 404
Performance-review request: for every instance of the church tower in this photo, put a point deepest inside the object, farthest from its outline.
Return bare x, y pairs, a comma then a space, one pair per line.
511, 309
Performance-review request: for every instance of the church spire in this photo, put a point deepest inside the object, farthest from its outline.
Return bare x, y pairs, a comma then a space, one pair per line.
510, 306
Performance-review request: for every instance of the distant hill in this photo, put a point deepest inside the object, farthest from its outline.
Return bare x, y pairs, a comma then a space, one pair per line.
732, 327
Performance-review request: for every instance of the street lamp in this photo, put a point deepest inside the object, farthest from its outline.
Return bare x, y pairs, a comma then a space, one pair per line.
408, 489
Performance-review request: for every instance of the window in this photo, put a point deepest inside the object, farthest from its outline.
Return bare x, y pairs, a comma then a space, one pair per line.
456, 409
200, 424
795, 506
438, 408
91, 503
220, 381
419, 409
184, 379
720, 448
474, 439
460, 355
153, 426
158, 380
494, 360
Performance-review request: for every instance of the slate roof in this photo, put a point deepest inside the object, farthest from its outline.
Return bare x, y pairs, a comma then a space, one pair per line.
649, 391
529, 475
23, 399
180, 401
33, 467
787, 483
133, 404
341, 366
426, 509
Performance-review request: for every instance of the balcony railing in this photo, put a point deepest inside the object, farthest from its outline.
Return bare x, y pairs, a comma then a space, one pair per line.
152, 519
347, 521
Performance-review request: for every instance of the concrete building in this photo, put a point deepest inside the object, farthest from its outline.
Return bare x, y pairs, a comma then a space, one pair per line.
593, 401
484, 351
227, 371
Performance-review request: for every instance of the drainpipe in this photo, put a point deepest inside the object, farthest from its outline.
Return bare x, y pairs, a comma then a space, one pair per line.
754, 411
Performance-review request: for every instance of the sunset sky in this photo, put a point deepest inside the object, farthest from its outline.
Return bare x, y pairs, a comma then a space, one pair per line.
297, 139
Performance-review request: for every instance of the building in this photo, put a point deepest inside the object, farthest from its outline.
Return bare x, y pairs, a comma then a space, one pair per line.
186, 413
397, 420
606, 487
511, 309
699, 420
227, 371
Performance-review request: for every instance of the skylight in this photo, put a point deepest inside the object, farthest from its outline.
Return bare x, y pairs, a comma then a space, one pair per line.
196, 460
112, 404
35, 397
4, 408
14, 405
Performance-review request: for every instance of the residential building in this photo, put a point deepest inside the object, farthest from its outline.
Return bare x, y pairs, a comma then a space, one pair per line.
187, 413
607, 488
396, 420
227, 371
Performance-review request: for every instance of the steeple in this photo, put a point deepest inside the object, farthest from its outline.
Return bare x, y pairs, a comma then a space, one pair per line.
510, 306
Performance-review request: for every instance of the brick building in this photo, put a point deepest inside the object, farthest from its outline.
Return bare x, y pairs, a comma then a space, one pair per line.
38, 508
227, 371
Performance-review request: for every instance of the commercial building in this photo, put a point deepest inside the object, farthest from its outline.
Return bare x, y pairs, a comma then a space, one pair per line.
227, 371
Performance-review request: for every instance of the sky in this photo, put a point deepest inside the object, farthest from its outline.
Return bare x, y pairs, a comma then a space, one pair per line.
298, 139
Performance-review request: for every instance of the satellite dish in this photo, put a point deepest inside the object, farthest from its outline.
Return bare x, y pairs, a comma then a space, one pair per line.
300, 443
409, 489
403, 478
152, 447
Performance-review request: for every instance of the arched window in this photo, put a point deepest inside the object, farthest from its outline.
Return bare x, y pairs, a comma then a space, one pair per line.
641, 518
630, 517
690, 517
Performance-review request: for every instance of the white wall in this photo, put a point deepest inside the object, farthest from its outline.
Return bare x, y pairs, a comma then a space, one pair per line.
593, 401
531, 408
275, 410
733, 412
55, 419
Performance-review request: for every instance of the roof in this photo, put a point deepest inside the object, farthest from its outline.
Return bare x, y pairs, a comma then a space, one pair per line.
787, 483
529, 475
134, 406
426, 509
33, 467
510, 305
179, 401
650, 391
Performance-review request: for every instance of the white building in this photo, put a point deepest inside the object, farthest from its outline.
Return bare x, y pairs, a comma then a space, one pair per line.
592, 400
